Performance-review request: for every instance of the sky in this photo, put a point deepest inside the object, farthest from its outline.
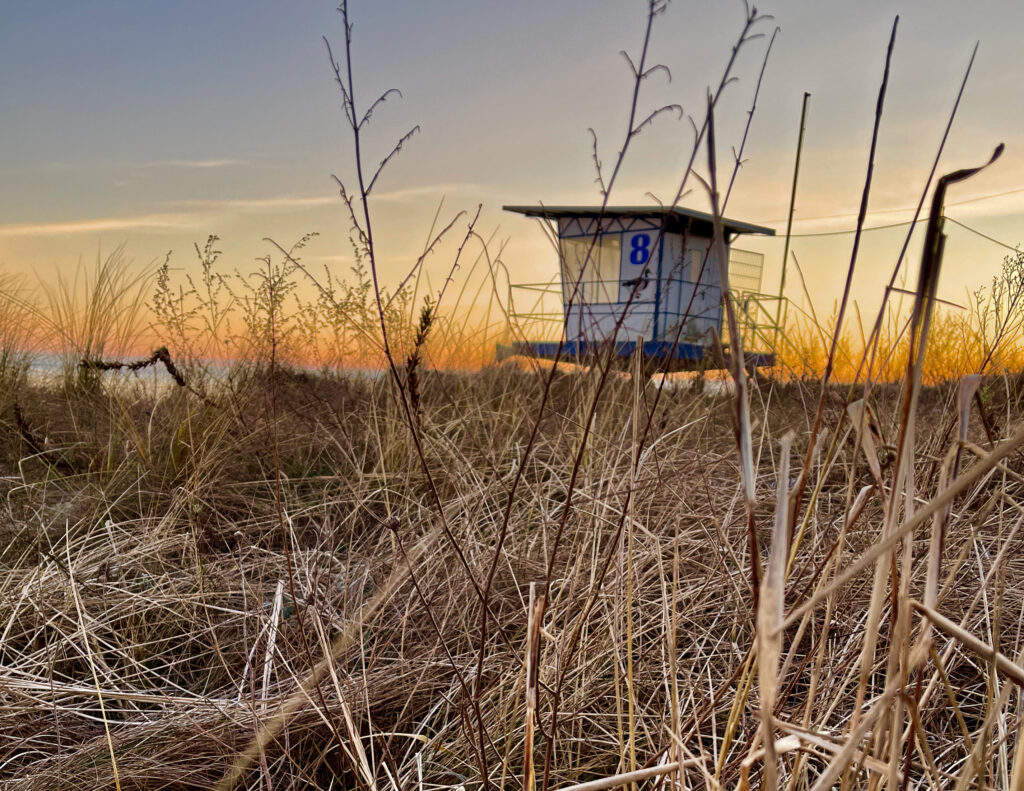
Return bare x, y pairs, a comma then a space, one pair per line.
155, 124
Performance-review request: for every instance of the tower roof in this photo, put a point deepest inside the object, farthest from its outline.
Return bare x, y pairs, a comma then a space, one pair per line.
676, 219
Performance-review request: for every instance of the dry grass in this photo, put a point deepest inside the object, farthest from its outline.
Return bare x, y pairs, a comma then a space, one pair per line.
982, 335
148, 623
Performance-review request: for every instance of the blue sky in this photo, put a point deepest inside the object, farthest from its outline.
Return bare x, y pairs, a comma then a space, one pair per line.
156, 123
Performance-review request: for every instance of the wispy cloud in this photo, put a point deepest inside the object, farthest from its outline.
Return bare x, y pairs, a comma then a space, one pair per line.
434, 191
297, 202
193, 214
194, 163
179, 216
144, 222
279, 203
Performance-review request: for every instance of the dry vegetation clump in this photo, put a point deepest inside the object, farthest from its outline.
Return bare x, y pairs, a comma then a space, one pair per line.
985, 335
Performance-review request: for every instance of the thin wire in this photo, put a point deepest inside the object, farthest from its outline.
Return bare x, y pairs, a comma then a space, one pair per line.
905, 208
854, 230
902, 225
984, 235
987, 197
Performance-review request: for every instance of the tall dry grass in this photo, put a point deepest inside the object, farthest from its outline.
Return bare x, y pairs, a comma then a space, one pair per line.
983, 335
99, 311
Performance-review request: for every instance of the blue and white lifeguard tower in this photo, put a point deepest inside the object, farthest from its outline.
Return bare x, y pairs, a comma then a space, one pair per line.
630, 272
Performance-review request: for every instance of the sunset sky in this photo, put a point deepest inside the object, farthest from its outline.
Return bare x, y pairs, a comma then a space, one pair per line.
157, 123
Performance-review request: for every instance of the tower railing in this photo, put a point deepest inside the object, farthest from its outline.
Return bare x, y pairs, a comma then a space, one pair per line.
756, 316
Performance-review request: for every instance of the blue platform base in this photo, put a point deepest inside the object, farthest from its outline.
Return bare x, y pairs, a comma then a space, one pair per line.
672, 354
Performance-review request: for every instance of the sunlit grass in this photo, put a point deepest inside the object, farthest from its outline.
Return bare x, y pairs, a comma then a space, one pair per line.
983, 336
208, 314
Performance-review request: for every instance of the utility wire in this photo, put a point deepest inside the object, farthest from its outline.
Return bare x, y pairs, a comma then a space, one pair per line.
975, 199
848, 231
984, 236
854, 230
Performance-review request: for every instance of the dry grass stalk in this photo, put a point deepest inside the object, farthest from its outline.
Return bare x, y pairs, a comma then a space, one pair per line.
630, 778
533, 649
86, 644
1002, 663
769, 617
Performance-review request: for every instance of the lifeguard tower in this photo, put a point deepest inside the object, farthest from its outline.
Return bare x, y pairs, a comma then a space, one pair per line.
632, 272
